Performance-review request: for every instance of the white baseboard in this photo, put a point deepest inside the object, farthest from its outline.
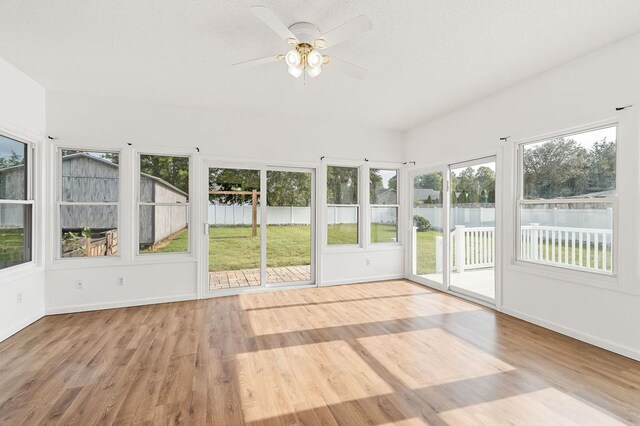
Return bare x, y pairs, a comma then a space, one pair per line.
362, 280
122, 304
8, 332
585, 337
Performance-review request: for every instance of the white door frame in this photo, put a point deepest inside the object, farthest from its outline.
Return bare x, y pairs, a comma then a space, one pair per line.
444, 286
203, 234
450, 287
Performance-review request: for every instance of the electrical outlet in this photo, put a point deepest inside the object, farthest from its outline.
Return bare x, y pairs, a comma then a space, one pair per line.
79, 285
121, 281
368, 262
19, 297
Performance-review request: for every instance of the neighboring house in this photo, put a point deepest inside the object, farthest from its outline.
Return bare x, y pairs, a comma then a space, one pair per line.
90, 179
387, 196
423, 194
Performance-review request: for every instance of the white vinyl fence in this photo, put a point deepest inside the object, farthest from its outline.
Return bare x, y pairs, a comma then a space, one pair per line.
220, 214
485, 216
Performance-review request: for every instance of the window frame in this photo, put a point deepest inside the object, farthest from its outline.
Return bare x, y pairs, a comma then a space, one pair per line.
29, 199
138, 203
371, 206
359, 214
59, 203
613, 200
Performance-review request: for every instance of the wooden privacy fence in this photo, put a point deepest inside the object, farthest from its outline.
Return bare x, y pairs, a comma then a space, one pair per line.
577, 248
106, 245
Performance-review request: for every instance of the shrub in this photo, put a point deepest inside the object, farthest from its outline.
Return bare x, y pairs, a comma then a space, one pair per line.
421, 223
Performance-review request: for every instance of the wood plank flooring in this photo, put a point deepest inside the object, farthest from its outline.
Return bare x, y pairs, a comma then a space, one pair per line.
378, 353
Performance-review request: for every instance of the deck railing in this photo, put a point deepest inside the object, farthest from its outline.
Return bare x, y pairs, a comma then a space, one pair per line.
580, 248
577, 248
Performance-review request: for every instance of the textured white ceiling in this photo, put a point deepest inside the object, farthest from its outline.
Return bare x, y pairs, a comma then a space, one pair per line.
426, 57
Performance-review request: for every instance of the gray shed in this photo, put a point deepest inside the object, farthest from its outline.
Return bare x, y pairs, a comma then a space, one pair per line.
86, 178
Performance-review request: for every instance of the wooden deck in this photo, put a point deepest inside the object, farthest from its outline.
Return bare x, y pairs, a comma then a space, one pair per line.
251, 277
382, 353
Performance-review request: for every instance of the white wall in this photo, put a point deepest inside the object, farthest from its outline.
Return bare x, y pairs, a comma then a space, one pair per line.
22, 115
81, 121
603, 312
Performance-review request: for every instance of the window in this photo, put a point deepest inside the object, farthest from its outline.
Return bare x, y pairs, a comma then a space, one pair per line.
16, 205
567, 201
342, 205
163, 204
383, 202
88, 203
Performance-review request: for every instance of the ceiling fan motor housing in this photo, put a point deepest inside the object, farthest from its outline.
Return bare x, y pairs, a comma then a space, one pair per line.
305, 32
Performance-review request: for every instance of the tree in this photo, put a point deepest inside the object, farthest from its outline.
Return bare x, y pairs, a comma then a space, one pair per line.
233, 180
485, 178
174, 170
342, 185
429, 200
427, 181
393, 182
484, 196
286, 189
602, 166
557, 168
11, 160
375, 184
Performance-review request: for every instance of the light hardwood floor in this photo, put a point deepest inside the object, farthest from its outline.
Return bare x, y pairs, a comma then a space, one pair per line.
390, 352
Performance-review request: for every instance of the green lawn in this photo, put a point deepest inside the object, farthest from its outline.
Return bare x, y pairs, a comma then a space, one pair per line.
180, 244
233, 247
426, 252
11, 246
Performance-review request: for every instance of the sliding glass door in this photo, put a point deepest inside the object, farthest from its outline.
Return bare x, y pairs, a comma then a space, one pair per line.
472, 228
428, 224
234, 228
242, 253
290, 217
454, 228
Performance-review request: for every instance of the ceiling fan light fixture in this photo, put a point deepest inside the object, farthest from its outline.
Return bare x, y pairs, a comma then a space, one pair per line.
295, 71
292, 58
314, 71
314, 59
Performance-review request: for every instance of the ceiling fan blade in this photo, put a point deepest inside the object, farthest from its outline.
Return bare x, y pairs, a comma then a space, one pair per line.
254, 62
350, 29
348, 68
273, 22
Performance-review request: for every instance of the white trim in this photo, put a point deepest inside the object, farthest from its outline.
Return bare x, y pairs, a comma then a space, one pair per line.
583, 275
362, 280
122, 304
137, 203
571, 332
15, 328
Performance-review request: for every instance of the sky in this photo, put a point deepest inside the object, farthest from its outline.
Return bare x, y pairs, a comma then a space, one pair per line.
8, 145
490, 164
386, 175
587, 139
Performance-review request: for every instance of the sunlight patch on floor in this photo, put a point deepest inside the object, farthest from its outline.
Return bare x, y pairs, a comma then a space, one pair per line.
536, 407
431, 357
279, 381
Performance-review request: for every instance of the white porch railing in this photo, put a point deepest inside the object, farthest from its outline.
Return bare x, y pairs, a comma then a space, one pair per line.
473, 248
579, 248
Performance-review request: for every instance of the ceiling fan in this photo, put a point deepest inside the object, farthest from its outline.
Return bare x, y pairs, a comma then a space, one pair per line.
305, 57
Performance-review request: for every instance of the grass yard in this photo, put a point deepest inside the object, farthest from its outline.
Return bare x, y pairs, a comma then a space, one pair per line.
11, 247
232, 247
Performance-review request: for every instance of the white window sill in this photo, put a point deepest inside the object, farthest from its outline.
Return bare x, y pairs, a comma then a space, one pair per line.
18, 272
